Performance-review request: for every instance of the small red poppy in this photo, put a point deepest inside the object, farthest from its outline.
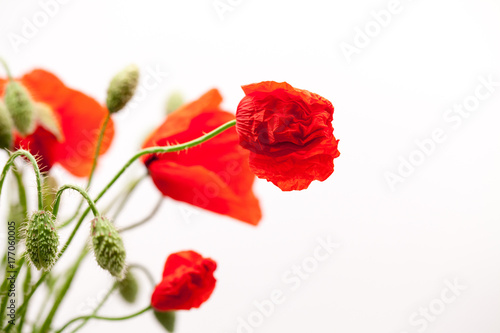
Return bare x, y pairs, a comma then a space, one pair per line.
77, 117
188, 281
289, 134
214, 175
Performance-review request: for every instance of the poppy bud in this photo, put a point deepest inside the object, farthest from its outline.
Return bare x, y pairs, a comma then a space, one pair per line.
20, 106
108, 246
42, 240
166, 319
174, 101
129, 287
5, 127
122, 88
49, 191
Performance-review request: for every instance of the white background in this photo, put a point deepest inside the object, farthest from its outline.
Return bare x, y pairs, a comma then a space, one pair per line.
397, 247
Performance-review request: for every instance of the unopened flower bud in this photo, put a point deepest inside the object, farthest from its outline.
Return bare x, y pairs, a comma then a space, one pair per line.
175, 101
129, 287
42, 240
166, 319
108, 246
49, 191
20, 106
6, 127
122, 88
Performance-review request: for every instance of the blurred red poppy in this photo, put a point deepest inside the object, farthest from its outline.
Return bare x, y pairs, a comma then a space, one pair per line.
214, 175
67, 130
188, 281
289, 134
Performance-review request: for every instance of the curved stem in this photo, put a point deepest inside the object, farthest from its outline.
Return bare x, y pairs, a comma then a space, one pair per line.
144, 220
10, 162
104, 318
94, 165
152, 150
80, 190
147, 151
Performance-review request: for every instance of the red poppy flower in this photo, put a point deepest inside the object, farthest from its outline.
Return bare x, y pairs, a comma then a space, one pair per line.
289, 134
67, 131
214, 175
188, 281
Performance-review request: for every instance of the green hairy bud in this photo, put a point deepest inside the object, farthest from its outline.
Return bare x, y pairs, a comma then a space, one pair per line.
122, 88
129, 287
42, 240
6, 126
20, 106
108, 247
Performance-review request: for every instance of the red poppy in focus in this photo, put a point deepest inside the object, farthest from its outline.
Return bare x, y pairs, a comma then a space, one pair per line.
289, 134
214, 175
67, 130
188, 281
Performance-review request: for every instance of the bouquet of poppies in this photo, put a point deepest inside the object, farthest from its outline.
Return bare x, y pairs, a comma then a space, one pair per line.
201, 155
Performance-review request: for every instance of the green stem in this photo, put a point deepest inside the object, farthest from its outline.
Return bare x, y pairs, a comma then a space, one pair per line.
98, 307
21, 191
77, 212
144, 220
22, 308
104, 318
25, 290
124, 195
80, 190
6, 67
127, 196
98, 148
94, 165
62, 292
147, 151
19, 264
152, 150
9, 164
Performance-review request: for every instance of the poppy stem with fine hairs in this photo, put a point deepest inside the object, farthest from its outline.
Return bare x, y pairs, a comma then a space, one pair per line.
147, 151
80, 190
151, 150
